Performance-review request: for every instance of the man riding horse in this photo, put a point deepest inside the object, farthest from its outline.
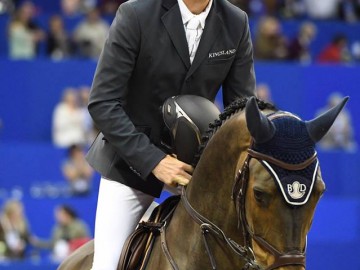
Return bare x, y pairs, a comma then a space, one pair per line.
253, 195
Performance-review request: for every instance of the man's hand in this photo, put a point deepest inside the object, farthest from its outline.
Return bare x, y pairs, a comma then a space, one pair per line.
173, 172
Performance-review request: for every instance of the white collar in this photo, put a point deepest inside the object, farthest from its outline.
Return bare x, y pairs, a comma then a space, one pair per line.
186, 14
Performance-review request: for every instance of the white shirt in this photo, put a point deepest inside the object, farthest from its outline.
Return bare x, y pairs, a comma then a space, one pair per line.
194, 26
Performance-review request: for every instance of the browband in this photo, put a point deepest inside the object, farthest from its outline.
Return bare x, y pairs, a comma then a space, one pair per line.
281, 164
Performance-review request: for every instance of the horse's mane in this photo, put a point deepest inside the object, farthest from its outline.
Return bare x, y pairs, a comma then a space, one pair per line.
233, 108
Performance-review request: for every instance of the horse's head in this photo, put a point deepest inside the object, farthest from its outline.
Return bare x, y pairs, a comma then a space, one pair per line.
282, 183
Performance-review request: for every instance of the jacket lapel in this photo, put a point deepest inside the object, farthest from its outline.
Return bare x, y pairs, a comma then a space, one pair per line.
173, 24
212, 29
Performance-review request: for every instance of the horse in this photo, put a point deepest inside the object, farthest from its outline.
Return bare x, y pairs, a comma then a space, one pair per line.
252, 197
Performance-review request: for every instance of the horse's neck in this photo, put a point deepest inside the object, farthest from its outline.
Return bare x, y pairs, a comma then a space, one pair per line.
210, 189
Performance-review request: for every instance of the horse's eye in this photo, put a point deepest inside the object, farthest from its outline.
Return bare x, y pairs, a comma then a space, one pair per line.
259, 195
262, 198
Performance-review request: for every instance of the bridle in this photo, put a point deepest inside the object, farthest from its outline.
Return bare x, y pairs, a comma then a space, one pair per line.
239, 196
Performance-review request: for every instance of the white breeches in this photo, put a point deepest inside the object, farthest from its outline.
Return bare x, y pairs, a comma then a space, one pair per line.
119, 209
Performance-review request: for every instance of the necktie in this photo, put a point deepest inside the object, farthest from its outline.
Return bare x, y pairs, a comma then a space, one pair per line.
193, 34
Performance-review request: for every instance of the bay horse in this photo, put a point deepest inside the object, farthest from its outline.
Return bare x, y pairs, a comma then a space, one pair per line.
252, 197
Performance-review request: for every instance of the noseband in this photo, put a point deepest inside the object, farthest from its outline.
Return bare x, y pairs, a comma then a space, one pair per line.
239, 196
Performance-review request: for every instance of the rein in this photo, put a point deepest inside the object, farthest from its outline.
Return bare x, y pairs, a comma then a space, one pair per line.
245, 252
208, 227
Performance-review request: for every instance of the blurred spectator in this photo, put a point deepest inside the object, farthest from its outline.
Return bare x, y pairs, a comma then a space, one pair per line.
270, 43
24, 34
69, 232
284, 8
89, 4
109, 7
349, 10
68, 121
90, 35
7, 6
77, 171
271, 6
340, 135
257, 8
58, 42
299, 47
355, 50
291, 8
263, 92
76, 7
322, 9
336, 52
14, 230
71, 7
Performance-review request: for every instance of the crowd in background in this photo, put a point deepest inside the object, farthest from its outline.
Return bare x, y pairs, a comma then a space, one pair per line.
347, 10
68, 232
86, 40
25, 35
73, 130
72, 126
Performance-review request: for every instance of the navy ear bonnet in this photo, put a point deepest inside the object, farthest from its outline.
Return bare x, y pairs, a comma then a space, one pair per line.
291, 144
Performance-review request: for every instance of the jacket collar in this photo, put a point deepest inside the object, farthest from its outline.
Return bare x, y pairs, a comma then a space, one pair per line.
175, 28
173, 23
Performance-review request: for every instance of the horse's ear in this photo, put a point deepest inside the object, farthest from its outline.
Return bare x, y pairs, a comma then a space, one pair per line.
259, 126
318, 127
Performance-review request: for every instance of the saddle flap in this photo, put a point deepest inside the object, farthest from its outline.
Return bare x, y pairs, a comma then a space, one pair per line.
131, 256
138, 246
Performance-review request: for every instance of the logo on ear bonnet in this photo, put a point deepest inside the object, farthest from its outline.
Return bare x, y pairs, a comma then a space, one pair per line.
295, 186
296, 190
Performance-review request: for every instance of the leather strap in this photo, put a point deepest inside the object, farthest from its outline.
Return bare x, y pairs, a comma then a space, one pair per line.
284, 165
205, 234
165, 248
281, 259
207, 227
197, 217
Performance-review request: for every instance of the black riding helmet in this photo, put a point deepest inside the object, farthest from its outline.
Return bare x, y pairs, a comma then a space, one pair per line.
187, 118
